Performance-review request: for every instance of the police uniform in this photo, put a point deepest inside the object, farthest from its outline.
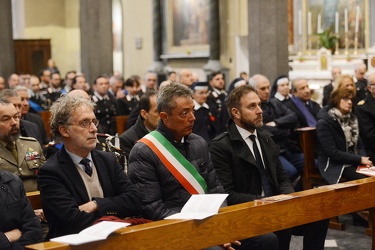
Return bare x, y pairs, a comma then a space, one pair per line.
50, 96
365, 112
127, 104
216, 99
30, 158
105, 112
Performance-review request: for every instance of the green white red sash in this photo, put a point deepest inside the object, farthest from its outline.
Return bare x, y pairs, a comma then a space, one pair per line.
176, 163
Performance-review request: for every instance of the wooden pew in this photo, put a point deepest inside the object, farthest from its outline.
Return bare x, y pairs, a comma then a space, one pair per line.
239, 221
121, 123
45, 117
34, 198
311, 177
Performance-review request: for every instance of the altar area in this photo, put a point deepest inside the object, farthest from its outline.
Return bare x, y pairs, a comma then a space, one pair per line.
317, 68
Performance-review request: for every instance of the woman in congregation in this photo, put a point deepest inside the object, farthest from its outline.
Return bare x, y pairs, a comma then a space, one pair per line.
340, 148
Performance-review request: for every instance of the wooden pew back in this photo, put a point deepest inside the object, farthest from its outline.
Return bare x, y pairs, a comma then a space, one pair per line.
121, 123
45, 117
311, 175
240, 221
34, 198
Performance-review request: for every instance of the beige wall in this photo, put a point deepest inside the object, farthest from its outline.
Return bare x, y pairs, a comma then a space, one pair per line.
56, 20
137, 20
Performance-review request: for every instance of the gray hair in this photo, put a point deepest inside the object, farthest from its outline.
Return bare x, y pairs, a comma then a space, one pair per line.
255, 79
8, 93
166, 98
62, 111
20, 88
294, 88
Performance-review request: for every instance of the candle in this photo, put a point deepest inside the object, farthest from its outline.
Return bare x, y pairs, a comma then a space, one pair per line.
299, 22
357, 19
318, 28
337, 23
346, 20
309, 23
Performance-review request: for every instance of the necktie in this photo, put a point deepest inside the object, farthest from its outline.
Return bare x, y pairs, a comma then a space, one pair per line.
265, 180
12, 148
86, 163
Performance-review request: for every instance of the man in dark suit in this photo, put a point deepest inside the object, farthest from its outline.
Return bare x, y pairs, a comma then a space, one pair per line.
336, 73
246, 161
301, 103
148, 119
31, 117
80, 184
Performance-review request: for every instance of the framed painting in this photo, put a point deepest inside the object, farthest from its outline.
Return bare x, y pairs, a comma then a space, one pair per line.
187, 26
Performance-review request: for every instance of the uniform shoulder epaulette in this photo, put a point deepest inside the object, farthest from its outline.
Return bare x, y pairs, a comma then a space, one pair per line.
219, 137
95, 98
361, 102
27, 138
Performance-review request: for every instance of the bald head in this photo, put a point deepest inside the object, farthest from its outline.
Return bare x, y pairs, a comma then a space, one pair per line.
2, 83
13, 81
79, 93
186, 77
336, 72
360, 71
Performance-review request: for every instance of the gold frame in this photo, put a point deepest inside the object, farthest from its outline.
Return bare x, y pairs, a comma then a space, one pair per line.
171, 48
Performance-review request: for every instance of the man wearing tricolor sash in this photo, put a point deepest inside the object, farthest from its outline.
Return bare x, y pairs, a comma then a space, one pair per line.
171, 163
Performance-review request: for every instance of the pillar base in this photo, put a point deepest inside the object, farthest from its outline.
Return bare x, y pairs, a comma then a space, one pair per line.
157, 67
213, 65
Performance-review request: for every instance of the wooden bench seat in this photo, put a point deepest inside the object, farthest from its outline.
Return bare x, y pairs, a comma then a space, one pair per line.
239, 221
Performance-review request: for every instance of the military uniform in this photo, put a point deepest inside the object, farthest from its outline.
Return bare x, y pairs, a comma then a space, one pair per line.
127, 104
30, 158
51, 95
365, 112
105, 112
216, 99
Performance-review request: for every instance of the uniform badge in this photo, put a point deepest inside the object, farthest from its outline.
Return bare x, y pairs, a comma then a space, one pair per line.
361, 102
31, 154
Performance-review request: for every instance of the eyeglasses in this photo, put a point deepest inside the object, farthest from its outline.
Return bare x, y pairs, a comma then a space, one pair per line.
87, 123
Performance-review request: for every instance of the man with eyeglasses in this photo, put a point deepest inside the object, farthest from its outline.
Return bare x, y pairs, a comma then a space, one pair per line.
365, 112
80, 184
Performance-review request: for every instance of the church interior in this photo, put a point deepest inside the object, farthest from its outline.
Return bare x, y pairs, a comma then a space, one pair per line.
296, 38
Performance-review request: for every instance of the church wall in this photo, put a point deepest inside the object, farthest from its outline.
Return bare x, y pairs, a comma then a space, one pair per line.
56, 20
137, 23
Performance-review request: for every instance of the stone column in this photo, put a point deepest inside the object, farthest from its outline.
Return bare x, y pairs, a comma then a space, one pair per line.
268, 37
96, 38
213, 63
7, 61
157, 31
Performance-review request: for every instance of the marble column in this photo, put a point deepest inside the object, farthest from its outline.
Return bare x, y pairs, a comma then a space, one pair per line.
96, 38
213, 63
268, 37
7, 61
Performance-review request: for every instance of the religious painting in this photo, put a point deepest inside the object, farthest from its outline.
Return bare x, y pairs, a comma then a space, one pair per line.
187, 22
340, 17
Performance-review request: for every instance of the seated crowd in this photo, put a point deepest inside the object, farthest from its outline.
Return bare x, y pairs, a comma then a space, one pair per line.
241, 141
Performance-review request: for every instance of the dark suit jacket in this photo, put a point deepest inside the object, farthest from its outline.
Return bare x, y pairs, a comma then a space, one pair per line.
62, 191
30, 129
132, 135
302, 122
237, 170
16, 213
35, 118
